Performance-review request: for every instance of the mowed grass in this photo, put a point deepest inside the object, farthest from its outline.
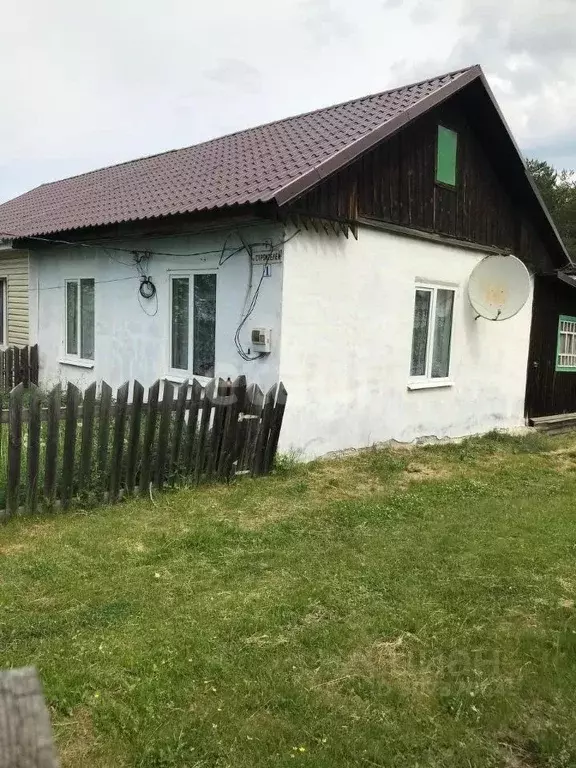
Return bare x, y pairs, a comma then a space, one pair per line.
394, 608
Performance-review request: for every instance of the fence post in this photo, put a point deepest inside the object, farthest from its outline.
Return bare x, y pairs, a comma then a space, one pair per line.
14, 450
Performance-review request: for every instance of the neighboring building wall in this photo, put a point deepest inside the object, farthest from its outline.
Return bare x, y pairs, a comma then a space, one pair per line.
129, 343
549, 391
348, 309
14, 269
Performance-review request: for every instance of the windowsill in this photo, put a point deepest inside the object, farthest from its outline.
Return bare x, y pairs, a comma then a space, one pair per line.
430, 384
180, 378
77, 362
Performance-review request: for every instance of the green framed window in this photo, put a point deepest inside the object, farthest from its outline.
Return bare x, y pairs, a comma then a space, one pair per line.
446, 154
566, 348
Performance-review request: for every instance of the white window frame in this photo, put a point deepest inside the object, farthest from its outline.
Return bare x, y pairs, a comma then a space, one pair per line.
4, 338
566, 361
426, 380
179, 375
72, 357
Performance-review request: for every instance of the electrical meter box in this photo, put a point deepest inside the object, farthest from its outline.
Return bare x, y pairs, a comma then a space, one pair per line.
260, 340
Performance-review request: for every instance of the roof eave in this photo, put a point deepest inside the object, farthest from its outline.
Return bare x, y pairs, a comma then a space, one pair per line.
384, 131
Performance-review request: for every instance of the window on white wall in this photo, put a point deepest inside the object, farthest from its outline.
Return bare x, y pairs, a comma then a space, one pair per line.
193, 324
432, 333
80, 318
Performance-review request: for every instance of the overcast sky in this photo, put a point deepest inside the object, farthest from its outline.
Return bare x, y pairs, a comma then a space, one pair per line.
85, 85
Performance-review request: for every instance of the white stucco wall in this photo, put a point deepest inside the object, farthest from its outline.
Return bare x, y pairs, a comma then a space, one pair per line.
346, 343
132, 344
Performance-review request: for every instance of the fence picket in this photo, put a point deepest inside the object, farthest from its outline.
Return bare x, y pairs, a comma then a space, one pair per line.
275, 427
25, 366
177, 431
206, 410
192, 427
104, 428
163, 434
134, 438
214, 442
34, 364
118, 445
231, 424
149, 431
34, 425
16, 370
52, 430
14, 450
252, 410
9, 367
88, 409
205, 436
263, 431
69, 450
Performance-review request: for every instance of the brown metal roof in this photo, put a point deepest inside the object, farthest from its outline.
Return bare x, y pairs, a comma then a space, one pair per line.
271, 162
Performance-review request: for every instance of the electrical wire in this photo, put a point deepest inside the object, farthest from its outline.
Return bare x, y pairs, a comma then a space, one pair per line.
252, 306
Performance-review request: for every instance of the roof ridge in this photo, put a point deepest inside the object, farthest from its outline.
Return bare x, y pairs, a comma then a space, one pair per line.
459, 71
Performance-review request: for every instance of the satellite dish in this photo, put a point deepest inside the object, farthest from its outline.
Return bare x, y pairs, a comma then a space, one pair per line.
498, 287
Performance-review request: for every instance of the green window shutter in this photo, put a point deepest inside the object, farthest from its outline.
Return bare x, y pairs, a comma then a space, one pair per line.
446, 156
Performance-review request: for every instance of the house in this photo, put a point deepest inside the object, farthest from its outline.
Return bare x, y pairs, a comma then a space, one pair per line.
14, 294
331, 250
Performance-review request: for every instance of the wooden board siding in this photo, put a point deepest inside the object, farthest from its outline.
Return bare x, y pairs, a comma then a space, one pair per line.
396, 183
14, 269
548, 391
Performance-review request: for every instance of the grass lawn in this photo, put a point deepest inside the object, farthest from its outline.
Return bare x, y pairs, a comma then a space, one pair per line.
395, 608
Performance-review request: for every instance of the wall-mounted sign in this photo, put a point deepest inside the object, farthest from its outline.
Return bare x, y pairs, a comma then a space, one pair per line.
263, 255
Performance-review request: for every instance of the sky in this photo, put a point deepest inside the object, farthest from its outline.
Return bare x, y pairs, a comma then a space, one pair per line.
85, 85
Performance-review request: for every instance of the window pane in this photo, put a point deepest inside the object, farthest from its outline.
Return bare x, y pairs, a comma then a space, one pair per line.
204, 324
87, 319
446, 156
442, 333
420, 333
72, 318
180, 322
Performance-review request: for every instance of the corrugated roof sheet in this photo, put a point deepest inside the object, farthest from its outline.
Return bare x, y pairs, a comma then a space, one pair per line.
247, 167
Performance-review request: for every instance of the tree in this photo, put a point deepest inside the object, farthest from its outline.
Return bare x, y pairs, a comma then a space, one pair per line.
558, 190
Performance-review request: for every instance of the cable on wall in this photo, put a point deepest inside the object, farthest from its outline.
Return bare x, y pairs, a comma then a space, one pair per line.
252, 306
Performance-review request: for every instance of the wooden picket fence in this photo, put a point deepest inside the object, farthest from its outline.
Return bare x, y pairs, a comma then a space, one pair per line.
89, 448
18, 365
